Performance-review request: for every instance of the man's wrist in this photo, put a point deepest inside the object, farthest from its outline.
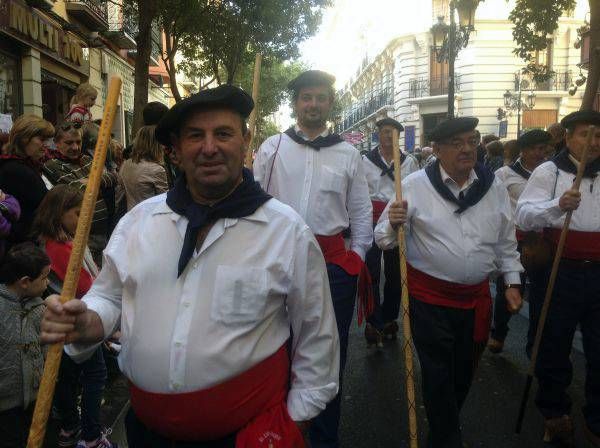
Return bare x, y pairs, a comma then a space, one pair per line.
514, 286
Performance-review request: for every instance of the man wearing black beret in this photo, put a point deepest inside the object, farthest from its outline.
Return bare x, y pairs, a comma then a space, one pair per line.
322, 177
547, 198
379, 170
459, 229
533, 147
228, 332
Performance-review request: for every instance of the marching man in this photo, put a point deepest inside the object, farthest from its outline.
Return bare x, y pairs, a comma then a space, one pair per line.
221, 293
322, 178
459, 229
379, 170
546, 199
533, 147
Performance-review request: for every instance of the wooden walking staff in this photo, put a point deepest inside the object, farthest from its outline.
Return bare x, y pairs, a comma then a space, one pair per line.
408, 352
551, 281
53, 357
254, 113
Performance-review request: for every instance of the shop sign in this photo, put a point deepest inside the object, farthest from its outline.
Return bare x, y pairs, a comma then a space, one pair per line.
29, 26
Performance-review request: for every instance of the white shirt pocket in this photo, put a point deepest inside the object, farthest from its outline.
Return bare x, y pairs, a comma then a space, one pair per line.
240, 294
331, 181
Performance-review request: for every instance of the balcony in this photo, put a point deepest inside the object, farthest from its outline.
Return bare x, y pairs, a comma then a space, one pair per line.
121, 30
423, 87
559, 81
156, 51
44, 5
368, 107
91, 13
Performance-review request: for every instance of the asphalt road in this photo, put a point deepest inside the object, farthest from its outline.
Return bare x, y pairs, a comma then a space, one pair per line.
374, 411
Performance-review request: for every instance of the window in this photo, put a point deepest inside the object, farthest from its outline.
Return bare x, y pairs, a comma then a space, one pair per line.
10, 86
438, 75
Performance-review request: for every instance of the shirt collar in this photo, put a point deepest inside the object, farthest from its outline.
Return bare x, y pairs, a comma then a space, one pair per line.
448, 180
163, 209
382, 158
522, 166
301, 133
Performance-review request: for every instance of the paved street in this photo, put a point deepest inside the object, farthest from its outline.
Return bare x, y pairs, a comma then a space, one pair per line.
374, 412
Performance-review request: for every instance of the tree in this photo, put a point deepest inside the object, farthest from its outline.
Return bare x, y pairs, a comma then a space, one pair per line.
535, 20
229, 33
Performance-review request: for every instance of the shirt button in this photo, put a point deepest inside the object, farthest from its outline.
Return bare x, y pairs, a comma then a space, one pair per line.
177, 344
176, 386
186, 304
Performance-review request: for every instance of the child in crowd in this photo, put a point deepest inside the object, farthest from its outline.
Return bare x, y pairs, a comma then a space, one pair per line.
23, 279
54, 225
10, 211
81, 103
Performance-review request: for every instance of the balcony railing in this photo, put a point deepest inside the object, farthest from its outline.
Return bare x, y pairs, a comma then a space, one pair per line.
92, 13
156, 49
362, 110
122, 29
559, 81
422, 87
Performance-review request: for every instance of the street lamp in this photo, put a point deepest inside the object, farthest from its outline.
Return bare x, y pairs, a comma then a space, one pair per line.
516, 102
448, 40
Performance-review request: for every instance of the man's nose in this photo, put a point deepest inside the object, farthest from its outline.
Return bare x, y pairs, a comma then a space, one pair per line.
209, 145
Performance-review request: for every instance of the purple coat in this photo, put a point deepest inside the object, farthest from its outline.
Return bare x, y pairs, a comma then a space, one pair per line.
10, 211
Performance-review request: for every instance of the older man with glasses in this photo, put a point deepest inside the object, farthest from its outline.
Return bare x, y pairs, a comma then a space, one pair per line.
459, 229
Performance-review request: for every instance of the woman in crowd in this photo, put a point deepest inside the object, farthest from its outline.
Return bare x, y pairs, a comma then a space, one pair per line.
55, 224
21, 170
144, 175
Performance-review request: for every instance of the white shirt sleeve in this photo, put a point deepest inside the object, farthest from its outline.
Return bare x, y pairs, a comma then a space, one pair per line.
360, 210
411, 165
536, 207
259, 166
315, 348
384, 234
507, 256
104, 297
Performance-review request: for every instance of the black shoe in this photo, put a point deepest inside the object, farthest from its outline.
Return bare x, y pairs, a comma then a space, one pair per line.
373, 336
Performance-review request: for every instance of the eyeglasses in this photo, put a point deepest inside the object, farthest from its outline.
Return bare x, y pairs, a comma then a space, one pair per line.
70, 125
459, 145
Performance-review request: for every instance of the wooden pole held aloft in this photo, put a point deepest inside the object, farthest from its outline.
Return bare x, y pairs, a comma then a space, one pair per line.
253, 115
408, 351
46, 391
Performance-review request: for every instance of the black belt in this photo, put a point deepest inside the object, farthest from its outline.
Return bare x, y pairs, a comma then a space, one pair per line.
580, 264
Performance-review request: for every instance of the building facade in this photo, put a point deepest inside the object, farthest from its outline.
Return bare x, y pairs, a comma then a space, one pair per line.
406, 81
48, 48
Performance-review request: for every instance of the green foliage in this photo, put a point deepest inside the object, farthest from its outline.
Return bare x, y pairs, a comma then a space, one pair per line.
263, 131
229, 33
535, 21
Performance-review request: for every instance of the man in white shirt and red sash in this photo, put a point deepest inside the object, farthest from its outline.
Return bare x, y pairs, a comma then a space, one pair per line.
221, 293
379, 170
544, 203
533, 147
459, 229
322, 177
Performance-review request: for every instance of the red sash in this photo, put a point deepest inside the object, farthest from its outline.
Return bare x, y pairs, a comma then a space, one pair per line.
378, 207
435, 291
253, 403
335, 252
520, 235
578, 246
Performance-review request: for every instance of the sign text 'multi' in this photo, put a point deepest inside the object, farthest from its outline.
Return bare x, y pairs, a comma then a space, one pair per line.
31, 25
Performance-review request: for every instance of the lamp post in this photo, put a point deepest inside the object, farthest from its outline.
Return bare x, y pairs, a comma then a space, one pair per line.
448, 40
515, 101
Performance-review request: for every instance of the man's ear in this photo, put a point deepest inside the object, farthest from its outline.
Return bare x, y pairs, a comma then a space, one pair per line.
247, 139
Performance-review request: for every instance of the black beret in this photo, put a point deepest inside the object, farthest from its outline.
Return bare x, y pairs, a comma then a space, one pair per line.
226, 96
581, 116
453, 126
311, 78
533, 137
390, 122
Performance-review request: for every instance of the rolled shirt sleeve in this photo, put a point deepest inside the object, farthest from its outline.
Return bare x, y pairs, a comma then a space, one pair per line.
360, 210
315, 347
537, 208
507, 256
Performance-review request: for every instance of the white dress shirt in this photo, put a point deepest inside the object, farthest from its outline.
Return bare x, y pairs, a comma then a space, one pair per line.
538, 205
513, 182
381, 188
253, 279
326, 187
461, 248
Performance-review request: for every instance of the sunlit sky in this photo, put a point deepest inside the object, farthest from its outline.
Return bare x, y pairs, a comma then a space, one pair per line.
352, 28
